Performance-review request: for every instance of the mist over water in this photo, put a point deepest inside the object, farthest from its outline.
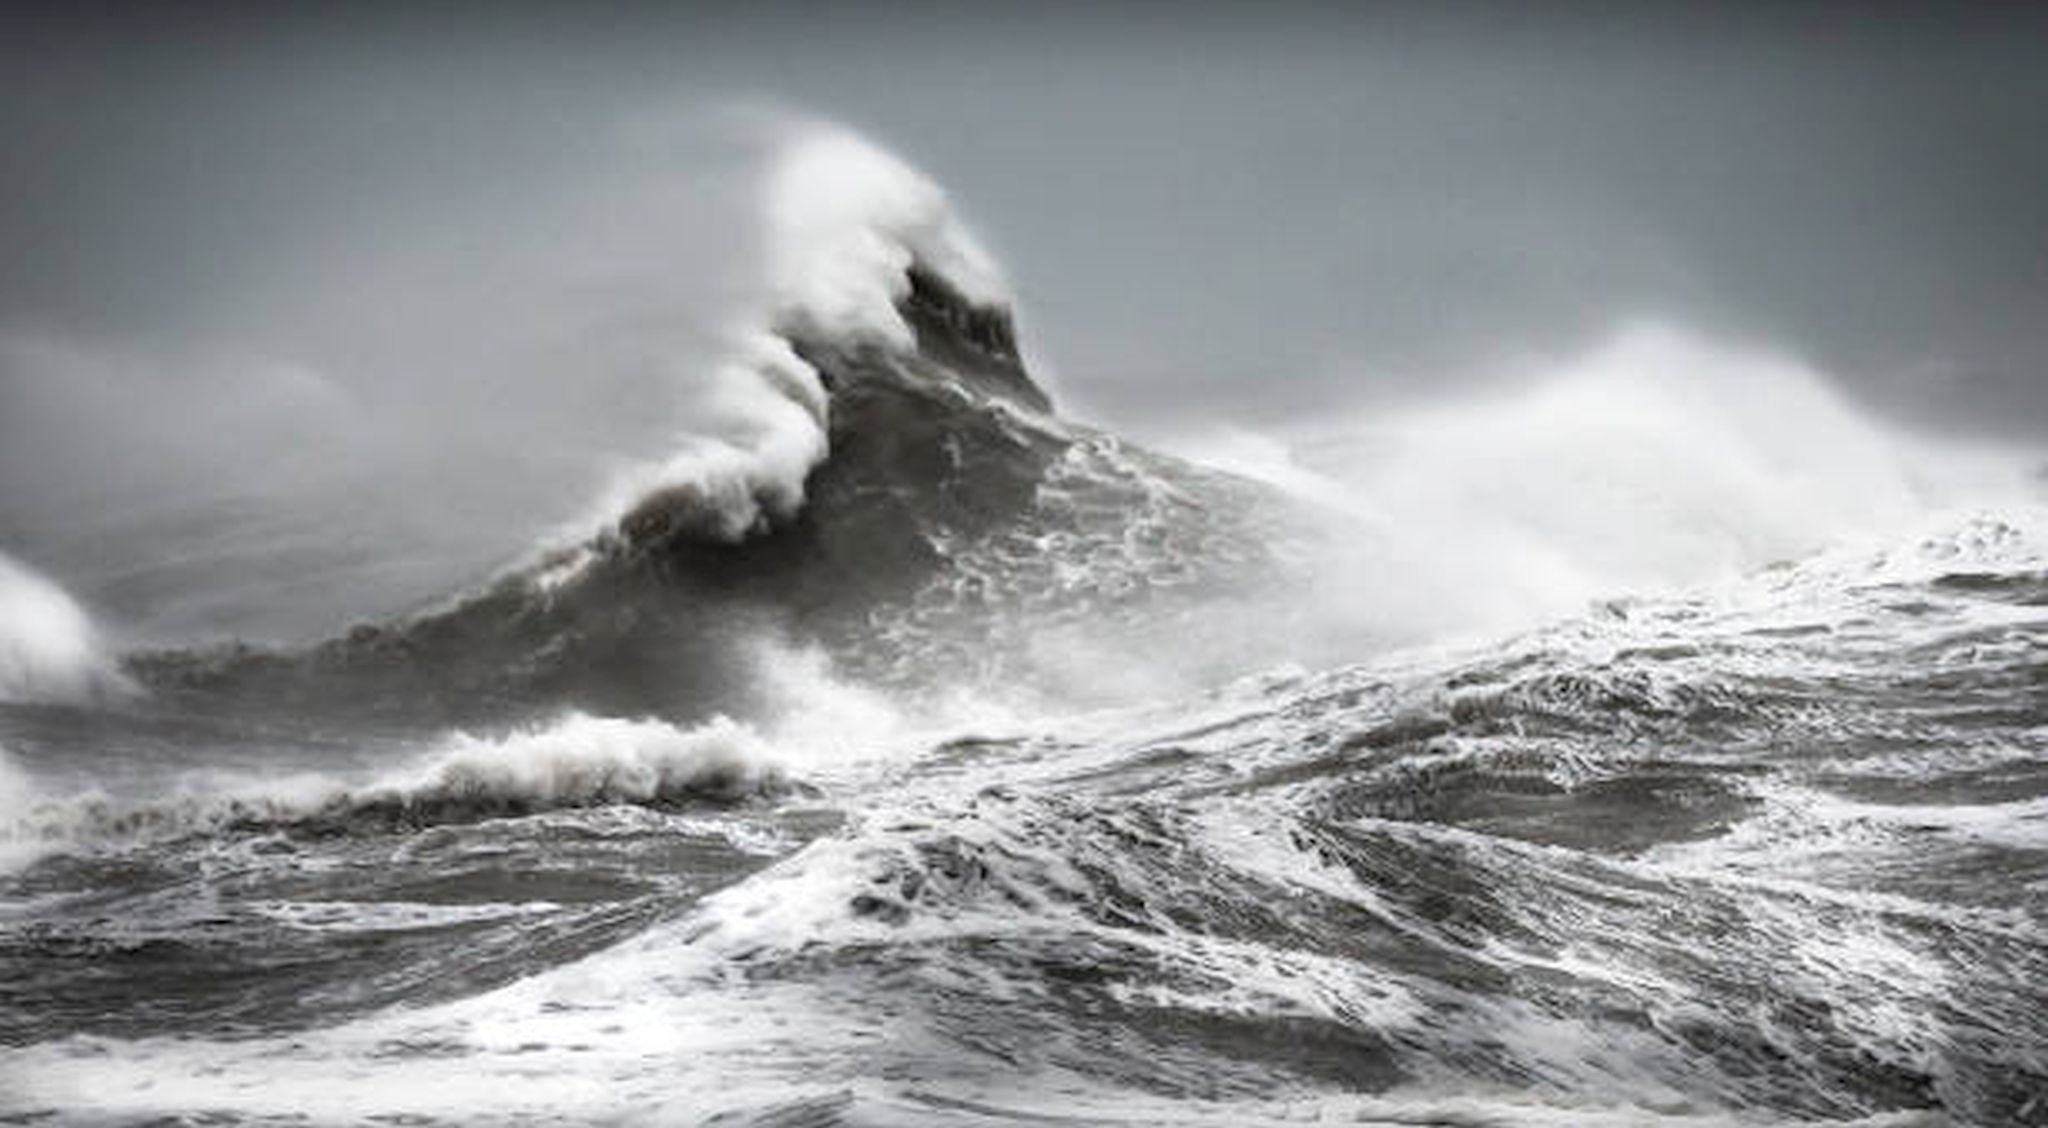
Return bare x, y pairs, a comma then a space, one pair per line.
49, 648
393, 407
1657, 460
1398, 566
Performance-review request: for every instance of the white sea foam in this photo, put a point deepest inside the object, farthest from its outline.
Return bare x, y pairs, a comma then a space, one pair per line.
761, 433
844, 221
834, 724
1657, 461
575, 761
581, 760
1649, 466
49, 648
389, 916
17, 797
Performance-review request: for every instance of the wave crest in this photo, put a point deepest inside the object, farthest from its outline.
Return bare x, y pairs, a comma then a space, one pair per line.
847, 221
584, 761
854, 235
576, 761
49, 648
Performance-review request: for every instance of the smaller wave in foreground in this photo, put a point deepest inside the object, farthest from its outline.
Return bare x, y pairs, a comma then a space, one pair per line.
576, 761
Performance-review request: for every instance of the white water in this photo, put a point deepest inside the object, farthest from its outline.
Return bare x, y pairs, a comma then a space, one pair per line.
1658, 460
845, 220
49, 648
574, 761
669, 1027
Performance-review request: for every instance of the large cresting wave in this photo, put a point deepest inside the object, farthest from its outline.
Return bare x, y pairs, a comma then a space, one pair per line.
1656, 740
877, 474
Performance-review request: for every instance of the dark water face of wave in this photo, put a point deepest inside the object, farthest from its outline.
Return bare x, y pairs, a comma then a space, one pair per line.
1770, 852
953, 517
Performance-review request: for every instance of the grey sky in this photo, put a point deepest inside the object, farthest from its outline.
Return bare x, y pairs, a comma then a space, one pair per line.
493, 221
1262, 207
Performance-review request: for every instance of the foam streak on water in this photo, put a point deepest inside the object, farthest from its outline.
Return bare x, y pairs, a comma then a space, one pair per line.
1660, 742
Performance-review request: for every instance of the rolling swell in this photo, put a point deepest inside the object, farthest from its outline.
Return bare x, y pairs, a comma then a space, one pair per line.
1756, 851
1718, 858
1691, 855
263, 902
952, 513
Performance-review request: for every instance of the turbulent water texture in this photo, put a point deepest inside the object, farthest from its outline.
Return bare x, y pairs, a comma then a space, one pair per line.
904, 753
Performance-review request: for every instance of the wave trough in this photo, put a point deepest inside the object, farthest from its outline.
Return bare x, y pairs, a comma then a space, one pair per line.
1659, 742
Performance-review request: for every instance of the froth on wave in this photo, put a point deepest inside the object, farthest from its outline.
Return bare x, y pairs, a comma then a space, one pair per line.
576, 761
875, 470
49, 648
1655, 461
850, 230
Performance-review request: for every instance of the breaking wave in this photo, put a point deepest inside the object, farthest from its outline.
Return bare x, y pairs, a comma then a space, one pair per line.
1656, 741
577, 761
876, 474
49, 648
1655, 461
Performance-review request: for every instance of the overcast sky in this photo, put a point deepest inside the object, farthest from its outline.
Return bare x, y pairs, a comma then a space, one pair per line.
1260, 207
487, 220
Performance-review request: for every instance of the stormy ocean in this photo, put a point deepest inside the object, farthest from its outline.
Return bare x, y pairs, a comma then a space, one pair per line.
1658, 739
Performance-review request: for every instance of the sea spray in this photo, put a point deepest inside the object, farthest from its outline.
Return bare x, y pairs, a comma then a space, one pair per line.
49, 648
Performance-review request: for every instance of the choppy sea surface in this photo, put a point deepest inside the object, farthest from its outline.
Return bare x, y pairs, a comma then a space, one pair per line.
914, 755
